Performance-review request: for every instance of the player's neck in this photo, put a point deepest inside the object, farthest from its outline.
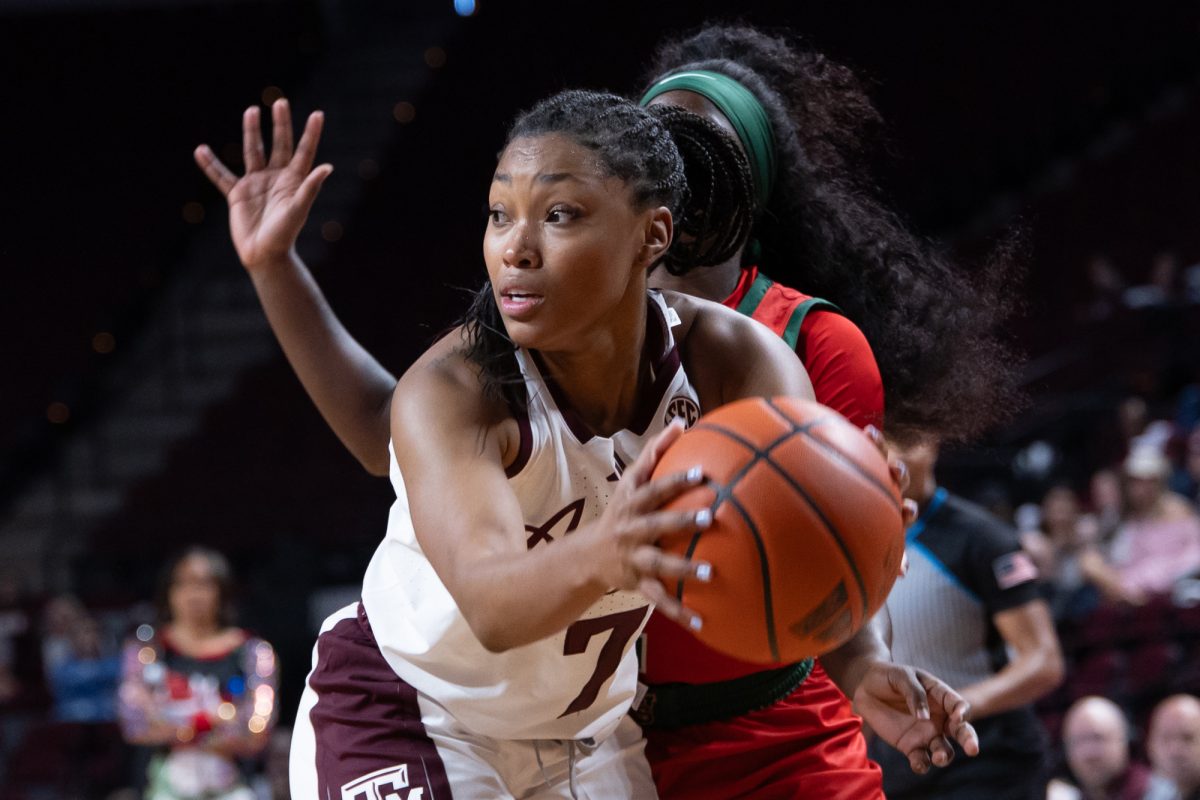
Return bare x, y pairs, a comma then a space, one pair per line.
603, 379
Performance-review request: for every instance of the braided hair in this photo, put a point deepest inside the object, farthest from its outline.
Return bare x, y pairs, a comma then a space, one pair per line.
825, 231
721, 201
631, 144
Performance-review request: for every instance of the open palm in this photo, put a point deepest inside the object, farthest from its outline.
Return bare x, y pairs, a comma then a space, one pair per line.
270, 203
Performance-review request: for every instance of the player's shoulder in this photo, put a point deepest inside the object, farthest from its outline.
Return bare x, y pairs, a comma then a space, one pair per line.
717, 330
833, 328
445, 382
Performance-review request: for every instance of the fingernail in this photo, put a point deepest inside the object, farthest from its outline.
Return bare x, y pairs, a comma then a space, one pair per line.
704, 571
922, 713
871, 431
695, 624
695, 474
703, 518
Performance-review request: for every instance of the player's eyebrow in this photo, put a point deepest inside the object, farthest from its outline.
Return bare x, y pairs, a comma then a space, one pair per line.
542, 177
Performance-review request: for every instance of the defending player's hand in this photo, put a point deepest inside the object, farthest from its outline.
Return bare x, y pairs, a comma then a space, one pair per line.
270, 203
633, 522
915, 713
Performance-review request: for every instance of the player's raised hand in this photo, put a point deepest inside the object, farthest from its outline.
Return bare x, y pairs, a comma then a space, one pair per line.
634, 521
270, 203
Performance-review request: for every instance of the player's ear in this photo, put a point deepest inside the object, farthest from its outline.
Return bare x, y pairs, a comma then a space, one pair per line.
657, 234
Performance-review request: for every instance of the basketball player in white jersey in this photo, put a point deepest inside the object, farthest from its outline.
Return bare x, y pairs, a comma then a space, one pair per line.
492, 653
484, 661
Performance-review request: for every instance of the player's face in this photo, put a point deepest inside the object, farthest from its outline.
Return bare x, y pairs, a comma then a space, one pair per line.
195, 594
564, 245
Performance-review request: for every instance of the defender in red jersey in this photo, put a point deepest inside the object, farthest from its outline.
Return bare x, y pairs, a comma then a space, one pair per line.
809, 741
716, 727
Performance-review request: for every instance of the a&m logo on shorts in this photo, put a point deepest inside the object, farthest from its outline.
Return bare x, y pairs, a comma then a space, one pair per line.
684, 408
389, 783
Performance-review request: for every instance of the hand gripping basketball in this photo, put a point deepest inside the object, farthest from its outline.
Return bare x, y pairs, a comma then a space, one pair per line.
807, 534
634, 521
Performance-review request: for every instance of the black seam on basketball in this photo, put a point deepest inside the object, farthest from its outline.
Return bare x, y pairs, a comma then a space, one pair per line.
725, 492
806, 429
746, 443
765, 454
765, 566
833, 531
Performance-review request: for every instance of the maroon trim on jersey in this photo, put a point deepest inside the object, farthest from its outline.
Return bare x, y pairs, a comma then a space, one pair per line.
524, 450
664, 367
371, 743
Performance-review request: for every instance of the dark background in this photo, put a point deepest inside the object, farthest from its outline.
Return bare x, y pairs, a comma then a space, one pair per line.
1076, 123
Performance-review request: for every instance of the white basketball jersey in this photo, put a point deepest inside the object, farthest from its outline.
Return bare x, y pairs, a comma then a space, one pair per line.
573, 685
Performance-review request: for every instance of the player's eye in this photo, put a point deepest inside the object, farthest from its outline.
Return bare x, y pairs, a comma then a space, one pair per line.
560, 214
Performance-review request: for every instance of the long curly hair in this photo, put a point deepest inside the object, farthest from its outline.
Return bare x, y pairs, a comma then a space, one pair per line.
935, 332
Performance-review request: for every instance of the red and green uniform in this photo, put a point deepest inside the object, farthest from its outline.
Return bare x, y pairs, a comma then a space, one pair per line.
809, 743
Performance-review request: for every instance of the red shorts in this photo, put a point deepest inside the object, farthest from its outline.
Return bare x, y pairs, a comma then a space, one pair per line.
808, 745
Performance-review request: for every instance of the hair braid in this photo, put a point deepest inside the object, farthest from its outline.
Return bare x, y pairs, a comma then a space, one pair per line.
721, 205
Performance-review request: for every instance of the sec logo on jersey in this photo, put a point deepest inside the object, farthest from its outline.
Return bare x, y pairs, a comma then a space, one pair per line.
684, 408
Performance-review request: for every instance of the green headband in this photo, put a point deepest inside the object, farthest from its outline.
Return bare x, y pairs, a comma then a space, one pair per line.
744, 112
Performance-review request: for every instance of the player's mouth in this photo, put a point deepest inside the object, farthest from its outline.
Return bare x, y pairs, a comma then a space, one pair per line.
517, 303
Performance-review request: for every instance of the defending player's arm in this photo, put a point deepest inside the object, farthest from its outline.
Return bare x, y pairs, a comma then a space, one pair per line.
267, 208
453, 451
910, 709
1035, 668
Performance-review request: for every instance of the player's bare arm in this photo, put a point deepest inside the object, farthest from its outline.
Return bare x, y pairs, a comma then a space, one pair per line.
268, 207
470, 526
731, 357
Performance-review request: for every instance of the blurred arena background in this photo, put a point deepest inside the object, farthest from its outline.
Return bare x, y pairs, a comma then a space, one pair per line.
145, 405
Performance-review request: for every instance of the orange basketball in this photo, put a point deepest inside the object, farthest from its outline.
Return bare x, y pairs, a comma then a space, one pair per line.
807, 535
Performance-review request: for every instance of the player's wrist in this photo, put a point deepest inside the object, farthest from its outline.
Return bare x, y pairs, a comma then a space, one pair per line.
271, 266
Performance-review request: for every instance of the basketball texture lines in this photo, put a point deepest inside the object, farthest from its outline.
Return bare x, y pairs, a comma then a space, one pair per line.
807, 536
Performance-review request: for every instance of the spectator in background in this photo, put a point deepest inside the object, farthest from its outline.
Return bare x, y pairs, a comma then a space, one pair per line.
1058, 548
969, 609
1185, 479
1173, 745
83, 679
198, 688
1096, 737
1104, 491
1158, 541
58, 621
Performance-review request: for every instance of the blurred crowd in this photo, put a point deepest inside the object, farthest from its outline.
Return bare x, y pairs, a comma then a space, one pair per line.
162, 700
1119, 558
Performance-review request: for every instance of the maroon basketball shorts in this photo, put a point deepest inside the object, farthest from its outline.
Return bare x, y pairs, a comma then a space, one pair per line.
362, 733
